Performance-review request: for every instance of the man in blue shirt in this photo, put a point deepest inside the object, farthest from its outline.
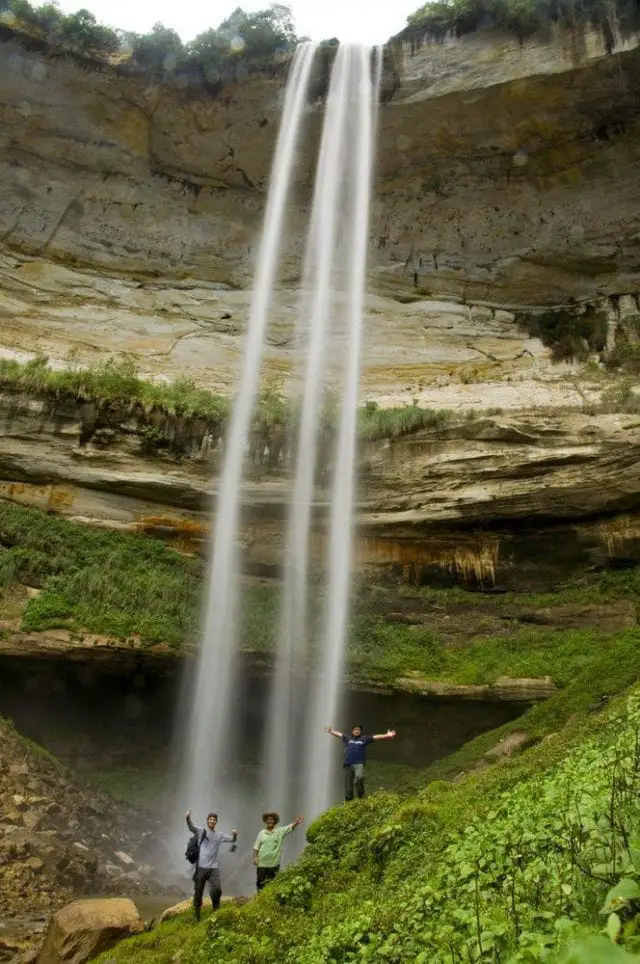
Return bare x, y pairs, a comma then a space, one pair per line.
207, 869
355, 756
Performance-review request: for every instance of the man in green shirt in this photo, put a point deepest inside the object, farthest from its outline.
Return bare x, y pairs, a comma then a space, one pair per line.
267, 850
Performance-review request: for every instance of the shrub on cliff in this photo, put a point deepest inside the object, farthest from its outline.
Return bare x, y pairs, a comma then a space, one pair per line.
81, 31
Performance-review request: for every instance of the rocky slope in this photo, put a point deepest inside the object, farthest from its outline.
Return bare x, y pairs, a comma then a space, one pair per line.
59, 839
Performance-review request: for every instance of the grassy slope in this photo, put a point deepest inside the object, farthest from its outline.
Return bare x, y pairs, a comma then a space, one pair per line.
119, 584
504, 865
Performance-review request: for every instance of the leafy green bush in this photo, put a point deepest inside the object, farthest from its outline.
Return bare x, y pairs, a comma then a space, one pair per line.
157, 51
244, 39
625, 354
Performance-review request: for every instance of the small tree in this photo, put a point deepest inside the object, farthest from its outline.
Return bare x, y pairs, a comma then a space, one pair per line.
81, 31
151, 50
245, 38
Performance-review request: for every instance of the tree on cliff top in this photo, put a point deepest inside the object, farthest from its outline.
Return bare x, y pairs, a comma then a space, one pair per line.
78, 31
159, 50
253, 38
81, 31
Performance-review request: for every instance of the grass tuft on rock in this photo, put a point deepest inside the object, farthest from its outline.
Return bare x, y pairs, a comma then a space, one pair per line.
116, 385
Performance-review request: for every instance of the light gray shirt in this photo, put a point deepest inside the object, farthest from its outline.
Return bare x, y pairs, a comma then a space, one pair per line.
210, 845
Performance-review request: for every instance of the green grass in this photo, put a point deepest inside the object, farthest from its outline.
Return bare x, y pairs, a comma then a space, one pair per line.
379, 423
113, 383
100, 581
395, 650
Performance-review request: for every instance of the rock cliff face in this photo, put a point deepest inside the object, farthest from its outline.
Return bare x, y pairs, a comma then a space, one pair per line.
506, 173
517, 501
507, 178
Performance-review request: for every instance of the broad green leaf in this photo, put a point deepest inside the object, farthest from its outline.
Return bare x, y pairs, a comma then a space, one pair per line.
624, 891
614, 926
596, 950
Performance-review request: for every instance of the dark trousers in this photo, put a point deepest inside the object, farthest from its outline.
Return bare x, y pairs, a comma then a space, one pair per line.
264, 875
200, 879
354, 779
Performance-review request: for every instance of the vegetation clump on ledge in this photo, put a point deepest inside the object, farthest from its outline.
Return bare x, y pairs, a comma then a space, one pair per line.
441, 18
117, 385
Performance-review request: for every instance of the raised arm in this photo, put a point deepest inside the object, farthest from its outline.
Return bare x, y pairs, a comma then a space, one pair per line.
231, 837
389, 735
333, 732
192, 827
292, 826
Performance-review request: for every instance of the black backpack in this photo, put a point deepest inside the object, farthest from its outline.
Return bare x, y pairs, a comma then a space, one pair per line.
193, 848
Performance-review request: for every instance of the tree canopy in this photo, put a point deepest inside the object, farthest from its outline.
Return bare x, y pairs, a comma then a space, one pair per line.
252, 40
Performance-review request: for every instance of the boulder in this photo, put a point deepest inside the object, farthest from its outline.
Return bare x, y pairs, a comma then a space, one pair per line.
176, 910
85, 928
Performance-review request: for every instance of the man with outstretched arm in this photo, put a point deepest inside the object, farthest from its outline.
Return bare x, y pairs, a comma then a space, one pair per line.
207, 870
267, 850
355, 757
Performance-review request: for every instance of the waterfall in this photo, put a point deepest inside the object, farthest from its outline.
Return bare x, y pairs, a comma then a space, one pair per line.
210, 734
356, 86
305, 691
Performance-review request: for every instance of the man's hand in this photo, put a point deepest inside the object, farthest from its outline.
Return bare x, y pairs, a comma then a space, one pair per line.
391, 734
188, 814
328, 729
234, 832
298, 821
255, 861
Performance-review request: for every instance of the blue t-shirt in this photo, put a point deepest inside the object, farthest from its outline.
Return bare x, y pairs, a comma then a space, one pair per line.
355, 749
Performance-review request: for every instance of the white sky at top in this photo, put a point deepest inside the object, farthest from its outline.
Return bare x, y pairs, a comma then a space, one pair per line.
363, 21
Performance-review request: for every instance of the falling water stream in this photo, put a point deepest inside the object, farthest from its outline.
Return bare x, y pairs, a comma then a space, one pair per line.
295, 750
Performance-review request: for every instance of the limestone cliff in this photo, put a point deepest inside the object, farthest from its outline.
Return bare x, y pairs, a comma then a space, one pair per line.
507, 173
517, 501
507, 178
